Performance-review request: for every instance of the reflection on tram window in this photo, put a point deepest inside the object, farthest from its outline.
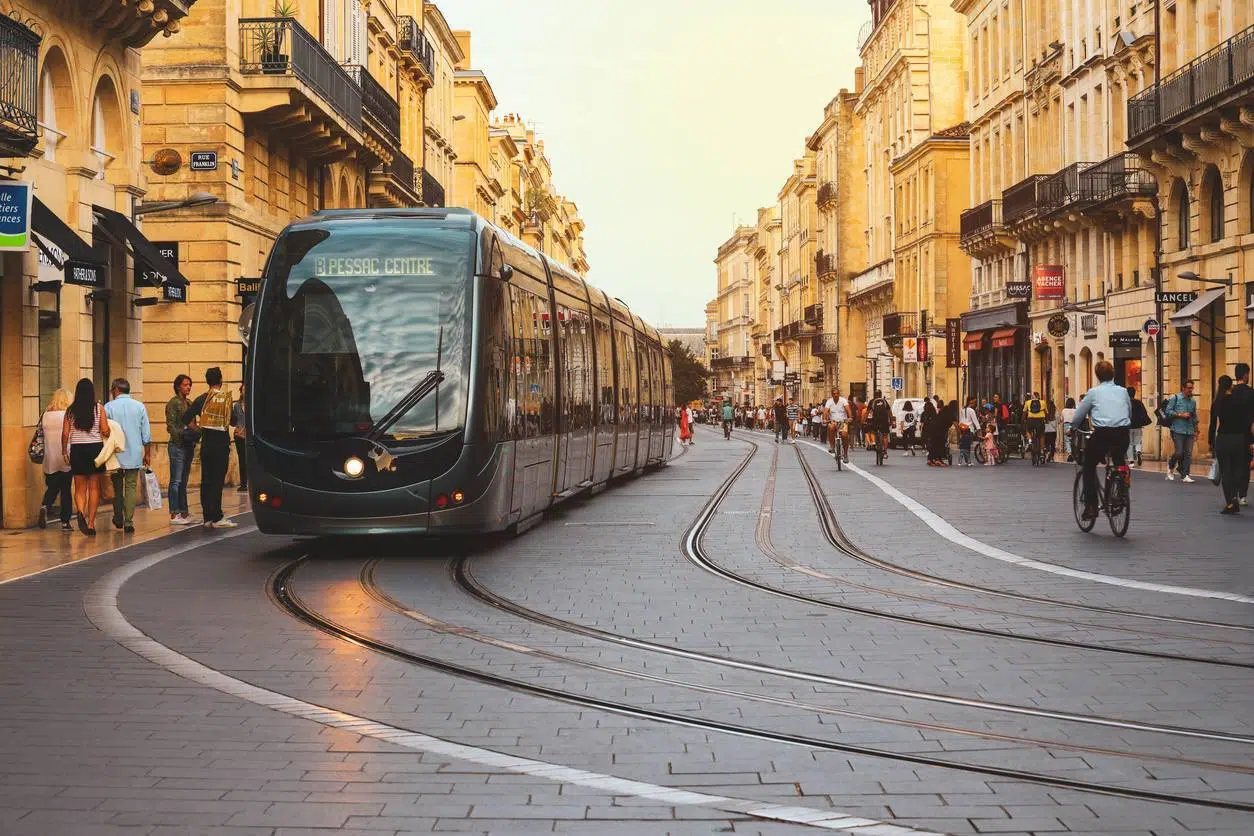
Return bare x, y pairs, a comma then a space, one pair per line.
353, 319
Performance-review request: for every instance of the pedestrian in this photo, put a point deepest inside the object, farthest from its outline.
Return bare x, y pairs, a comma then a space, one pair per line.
1242, 391
1068, 413
951, 444
855, 420
790, 420
1051, 431
132, 418
55, 465
211, 414
239, 435
1182, 412
1140, 420
1232, 415
909, 428
180, 450
685, 428
969, 415
990, 440
82, 438
941, 443
926, 421
966, 438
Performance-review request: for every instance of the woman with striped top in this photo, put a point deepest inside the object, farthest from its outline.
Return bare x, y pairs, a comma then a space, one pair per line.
82, 439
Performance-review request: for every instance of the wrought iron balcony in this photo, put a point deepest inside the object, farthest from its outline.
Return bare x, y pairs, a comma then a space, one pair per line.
733, 362
19, 88
1123, 175
814, 314
823, 345
817, 377
980, 220
1022, 200
827, 194
824, 264
432, 192
1219, 76
394, 184
1068, 187
280, 46
766, 350
414, 43
898, 325
381, 114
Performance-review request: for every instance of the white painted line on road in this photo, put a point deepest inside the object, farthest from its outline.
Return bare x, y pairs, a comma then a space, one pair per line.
101, 605
942, 527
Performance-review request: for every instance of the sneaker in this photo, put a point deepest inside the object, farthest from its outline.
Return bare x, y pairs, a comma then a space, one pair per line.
179, 519
907, 453
1188, 480
224, 523
65, 526
43, 517
130, 529
1229, 509
1244, 501
1171, 476
190, 520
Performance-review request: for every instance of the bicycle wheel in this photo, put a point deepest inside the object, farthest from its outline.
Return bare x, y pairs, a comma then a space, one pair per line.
980, 455
1077, 502
840, 447
1118, 505
1003, 455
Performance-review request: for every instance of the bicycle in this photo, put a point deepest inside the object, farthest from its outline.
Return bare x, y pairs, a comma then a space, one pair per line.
1038, 450
1114, 494
881, 447
1000, 457
840, 445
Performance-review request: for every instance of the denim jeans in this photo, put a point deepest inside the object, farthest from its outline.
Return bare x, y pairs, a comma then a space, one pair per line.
1183, 457
1134, 442
180, 472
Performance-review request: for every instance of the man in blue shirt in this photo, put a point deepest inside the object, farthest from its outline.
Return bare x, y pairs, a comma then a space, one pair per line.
1109, 409
132, 417
1182, 410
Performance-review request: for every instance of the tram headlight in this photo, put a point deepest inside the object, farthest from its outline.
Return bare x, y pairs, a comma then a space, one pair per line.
354, 467
457, 497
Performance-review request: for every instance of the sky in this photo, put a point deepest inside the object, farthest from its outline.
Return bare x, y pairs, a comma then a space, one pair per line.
666, 121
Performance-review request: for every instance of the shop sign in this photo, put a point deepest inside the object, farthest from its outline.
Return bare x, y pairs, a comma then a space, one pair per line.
922, 349
1174, 297
1088, 324
173, 293
15, 200
1126, 345
1048, 281
778, 368
953, 343
1019, 290
1038, 338
1152, 327
247, 287
146, 276
910, 349
85, 273
1058, 326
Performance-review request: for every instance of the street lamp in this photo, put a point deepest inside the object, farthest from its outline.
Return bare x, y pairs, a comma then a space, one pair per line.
1190, 276
192, 200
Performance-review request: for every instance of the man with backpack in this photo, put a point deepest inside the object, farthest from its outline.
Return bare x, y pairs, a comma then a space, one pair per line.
1181, 413
1034, 418
880, 418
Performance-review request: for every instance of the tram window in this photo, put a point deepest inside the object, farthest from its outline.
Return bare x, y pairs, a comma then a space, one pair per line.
627, 378
532, 365
495, 362
605, 371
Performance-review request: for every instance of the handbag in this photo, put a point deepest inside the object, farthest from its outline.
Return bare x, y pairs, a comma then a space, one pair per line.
152, 491
35, 451
1213, 476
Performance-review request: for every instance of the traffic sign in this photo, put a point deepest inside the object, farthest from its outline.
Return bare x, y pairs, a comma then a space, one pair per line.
1152, 327
898, 384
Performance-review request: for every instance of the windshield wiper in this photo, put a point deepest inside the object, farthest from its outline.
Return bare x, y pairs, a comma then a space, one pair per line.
430, 383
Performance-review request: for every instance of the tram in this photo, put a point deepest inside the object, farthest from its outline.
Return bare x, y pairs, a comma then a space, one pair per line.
422, 371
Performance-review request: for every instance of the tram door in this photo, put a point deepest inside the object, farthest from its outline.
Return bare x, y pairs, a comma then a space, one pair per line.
628, 406
606, 414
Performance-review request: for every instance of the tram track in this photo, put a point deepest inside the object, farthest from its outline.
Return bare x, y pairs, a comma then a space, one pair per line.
937, 580
284, 595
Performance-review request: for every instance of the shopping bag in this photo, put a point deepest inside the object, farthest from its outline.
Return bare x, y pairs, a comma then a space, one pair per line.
1214, 472
35, 450
152, 491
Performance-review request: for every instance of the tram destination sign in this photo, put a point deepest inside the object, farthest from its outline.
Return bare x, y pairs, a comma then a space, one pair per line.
1174, 297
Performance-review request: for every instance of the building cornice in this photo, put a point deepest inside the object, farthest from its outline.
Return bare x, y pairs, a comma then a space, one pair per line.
431, 12
479, 80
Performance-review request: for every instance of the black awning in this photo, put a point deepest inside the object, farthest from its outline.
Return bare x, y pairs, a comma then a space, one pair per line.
120, 227
46, 225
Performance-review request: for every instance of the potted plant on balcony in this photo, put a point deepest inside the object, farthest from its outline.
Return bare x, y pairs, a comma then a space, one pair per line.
271, 36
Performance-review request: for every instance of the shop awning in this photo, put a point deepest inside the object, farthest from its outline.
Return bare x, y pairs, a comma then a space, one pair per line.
48, 227
974, 341
1005, 337
119, 227
1185, 316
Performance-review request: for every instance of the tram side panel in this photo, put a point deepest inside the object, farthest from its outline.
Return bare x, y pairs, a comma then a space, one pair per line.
535, 414
606, 423
628, 405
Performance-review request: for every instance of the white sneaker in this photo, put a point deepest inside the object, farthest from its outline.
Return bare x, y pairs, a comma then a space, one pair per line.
1171, 476
224, 523
1244, 501
907, 453
1188, 480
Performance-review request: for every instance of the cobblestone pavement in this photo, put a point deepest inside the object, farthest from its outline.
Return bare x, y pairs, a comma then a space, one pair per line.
650, 661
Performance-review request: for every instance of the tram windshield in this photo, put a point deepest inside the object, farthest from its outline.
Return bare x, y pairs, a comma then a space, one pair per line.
355, 316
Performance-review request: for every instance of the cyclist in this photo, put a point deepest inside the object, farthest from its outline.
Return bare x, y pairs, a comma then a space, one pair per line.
728, 415
836, 414
1109, 408
880, 418
1034, 412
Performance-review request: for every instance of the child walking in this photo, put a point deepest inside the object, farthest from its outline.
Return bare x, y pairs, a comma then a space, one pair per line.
965, 440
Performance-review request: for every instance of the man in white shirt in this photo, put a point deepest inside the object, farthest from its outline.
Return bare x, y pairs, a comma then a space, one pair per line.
836, 414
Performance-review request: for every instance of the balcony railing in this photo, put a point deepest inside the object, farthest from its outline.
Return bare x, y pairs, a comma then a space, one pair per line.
1022, 199
414, 42
1064, 188
378, 105
814, 314
823, 345
766, 350
281, 46
980, 219
1221, 70
432, 192
827, 194
824, 264
898, 325
19, 88
732, 362
1123, 175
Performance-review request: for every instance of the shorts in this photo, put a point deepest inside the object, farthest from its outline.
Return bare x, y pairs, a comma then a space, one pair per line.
83, 458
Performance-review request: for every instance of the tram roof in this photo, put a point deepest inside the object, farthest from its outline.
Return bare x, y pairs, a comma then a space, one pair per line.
417, 212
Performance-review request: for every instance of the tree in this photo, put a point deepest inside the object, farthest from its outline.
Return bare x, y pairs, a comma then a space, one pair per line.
689, 374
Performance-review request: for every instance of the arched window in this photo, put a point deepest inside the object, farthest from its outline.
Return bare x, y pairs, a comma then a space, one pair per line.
1213, 195
1181, 202
106, 126
1248, 174
56, 102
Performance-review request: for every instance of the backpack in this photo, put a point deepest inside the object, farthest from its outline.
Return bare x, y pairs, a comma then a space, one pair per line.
1035, 406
